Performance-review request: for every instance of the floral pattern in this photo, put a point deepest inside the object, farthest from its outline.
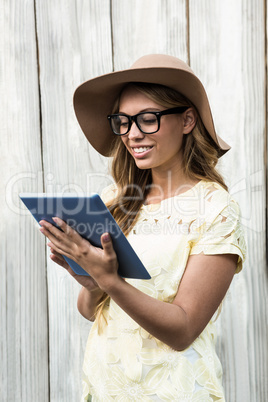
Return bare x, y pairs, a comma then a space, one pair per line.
124, 362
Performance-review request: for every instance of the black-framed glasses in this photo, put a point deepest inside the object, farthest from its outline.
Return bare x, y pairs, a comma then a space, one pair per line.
147, 122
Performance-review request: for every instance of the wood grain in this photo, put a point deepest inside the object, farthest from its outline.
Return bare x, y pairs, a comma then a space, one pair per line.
74, 40
23, 306
148, 26
47, 49
227, 52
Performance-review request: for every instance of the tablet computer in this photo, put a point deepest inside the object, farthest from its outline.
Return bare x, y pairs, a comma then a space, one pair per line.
90, 217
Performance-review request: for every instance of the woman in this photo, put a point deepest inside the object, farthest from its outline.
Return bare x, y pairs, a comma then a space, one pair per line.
155, 339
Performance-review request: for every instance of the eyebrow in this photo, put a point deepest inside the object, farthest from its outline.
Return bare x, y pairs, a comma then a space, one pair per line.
148, 109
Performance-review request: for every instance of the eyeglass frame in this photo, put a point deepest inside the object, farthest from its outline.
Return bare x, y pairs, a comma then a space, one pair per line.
131, 119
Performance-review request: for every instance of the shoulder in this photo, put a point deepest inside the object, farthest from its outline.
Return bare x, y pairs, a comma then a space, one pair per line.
215, 199
219, 230
109, 193
213, 192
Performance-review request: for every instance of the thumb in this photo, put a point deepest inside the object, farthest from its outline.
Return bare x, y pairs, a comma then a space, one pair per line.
107, 244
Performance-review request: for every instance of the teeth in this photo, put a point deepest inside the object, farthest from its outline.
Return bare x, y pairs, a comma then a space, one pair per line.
141, 149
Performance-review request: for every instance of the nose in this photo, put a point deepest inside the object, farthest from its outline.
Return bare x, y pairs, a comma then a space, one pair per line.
135, 132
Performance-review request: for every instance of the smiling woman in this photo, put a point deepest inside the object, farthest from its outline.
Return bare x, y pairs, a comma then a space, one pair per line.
161, 152
155, 339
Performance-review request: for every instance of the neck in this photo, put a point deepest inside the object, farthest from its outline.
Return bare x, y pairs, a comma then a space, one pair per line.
168, 184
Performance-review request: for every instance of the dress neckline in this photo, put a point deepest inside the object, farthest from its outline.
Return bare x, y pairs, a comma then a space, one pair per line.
185, 193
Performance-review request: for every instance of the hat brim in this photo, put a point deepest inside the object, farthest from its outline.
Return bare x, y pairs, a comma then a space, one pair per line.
94, 100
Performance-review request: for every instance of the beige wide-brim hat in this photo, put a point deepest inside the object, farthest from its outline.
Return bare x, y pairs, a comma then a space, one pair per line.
94, 99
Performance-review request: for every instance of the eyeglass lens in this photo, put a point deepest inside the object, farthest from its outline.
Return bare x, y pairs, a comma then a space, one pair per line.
146, 122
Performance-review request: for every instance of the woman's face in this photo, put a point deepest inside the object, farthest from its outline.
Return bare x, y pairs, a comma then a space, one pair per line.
161, 151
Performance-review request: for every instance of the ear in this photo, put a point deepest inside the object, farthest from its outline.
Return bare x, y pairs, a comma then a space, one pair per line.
189, 120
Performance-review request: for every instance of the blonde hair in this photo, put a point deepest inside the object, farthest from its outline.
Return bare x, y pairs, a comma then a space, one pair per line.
200, 157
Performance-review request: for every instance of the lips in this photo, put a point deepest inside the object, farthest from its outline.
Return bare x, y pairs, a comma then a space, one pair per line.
140, 150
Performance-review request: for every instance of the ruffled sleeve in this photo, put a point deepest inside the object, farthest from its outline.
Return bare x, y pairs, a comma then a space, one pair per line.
223, 235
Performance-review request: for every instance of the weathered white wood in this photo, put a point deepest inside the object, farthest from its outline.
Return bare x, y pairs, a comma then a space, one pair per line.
75, 43
227, 52
148, 26
74, 39
23, 291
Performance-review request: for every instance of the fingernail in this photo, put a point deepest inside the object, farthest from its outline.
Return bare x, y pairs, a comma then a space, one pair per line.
55, 219
106, 237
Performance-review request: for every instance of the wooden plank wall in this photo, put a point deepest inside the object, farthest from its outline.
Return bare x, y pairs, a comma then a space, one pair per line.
23, 300
47, 49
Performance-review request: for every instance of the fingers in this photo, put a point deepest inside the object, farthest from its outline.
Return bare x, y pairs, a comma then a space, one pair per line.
63, 226
50, 231
58, 258
107, 245
61, 240
66, 242
56, 254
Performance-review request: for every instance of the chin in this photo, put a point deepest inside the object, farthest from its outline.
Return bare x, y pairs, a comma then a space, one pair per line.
143, 166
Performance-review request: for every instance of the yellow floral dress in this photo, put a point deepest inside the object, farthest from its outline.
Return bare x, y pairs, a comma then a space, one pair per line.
124, 362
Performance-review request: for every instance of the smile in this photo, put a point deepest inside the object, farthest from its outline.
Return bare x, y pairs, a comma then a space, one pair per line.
140, 150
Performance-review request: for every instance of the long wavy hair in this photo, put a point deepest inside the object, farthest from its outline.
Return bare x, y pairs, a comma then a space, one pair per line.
200, 157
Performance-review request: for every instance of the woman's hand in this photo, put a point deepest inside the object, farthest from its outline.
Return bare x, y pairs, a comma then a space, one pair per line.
100, 264
86, 281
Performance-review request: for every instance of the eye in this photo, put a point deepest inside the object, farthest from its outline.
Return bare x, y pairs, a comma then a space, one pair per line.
121, 121
148, 118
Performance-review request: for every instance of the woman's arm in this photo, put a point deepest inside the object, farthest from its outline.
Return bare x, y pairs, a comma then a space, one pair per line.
90, 294
200, 293
201, 290
88, 301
